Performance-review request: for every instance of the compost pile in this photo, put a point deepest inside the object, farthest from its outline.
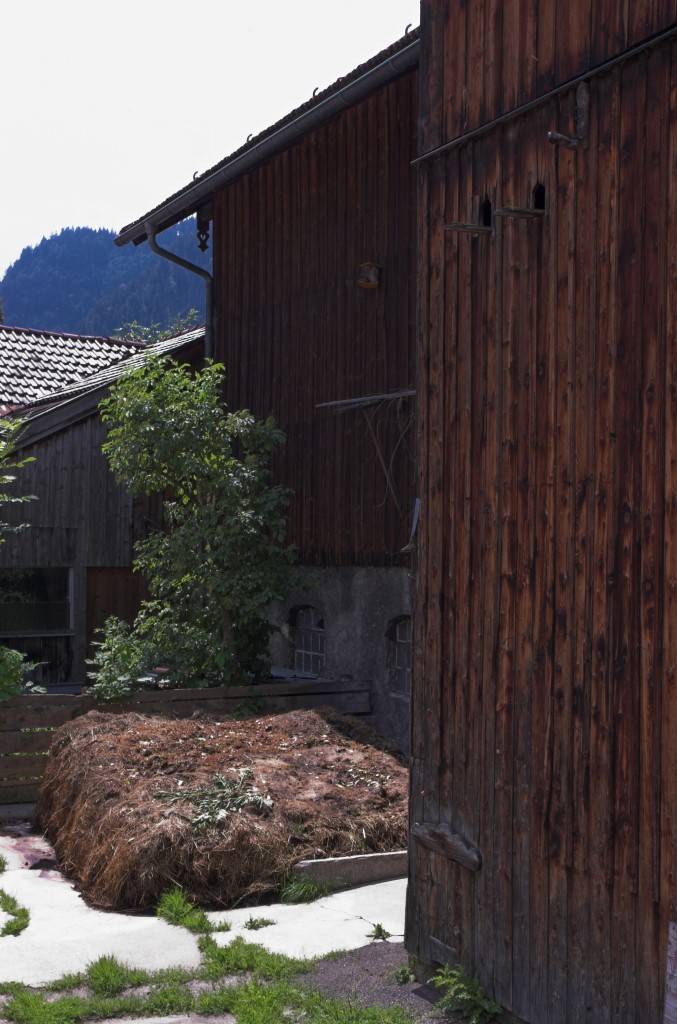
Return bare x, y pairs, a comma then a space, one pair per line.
134, 805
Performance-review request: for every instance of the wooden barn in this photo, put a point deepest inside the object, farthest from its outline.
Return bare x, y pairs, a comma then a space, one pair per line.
71, 568
313, 238
544, 788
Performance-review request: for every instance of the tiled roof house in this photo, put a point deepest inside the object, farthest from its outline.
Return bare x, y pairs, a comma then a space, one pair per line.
35, 363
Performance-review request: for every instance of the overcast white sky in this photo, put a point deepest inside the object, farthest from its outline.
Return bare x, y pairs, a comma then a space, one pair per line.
108, 108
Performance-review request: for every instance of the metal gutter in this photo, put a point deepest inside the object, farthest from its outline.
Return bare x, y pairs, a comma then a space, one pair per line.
173, 257
188, 201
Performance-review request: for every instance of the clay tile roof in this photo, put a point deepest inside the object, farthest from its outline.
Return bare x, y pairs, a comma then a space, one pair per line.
113, 371
184, 202
35, 363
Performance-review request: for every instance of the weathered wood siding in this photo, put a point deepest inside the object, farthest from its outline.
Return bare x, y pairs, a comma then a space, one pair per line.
82, 520
481, 58
295, 330
81, 514
545, 688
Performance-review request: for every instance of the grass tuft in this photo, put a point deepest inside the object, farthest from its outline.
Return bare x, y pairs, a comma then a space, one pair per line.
253, 924
108, 977
3, 864
302, 890
175, 907
378, 932
241, 956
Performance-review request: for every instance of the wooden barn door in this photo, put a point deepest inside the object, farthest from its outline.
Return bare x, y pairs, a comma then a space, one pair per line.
544, 772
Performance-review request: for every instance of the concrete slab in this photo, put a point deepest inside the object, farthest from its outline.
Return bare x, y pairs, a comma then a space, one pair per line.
325, 926
362, 869
383, 904
64, 934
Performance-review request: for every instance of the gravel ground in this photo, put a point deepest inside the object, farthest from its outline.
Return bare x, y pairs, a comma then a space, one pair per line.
366, 975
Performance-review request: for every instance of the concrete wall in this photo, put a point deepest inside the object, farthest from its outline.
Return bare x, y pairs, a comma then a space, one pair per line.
357, 605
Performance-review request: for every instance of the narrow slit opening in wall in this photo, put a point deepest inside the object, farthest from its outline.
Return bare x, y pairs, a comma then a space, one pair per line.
486, 213
538, 197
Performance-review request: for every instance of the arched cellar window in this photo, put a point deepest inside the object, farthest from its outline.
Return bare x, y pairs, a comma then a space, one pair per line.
399, 655
307, 629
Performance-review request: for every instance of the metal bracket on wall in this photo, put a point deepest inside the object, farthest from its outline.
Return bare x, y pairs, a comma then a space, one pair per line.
582, 121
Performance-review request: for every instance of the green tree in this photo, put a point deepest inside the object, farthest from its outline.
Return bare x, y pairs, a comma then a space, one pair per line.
221, 558
13, 665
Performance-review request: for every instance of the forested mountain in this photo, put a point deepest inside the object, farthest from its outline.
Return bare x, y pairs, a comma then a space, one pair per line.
80, 282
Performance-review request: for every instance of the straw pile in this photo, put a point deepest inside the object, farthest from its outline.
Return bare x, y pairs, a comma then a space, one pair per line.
134, 804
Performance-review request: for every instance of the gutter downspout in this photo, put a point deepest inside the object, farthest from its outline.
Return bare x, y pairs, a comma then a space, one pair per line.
151, 232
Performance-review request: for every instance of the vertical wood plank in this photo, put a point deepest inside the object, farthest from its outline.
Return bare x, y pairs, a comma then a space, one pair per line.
651, 522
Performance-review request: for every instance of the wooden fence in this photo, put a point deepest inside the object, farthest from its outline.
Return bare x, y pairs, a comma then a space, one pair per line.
27, 723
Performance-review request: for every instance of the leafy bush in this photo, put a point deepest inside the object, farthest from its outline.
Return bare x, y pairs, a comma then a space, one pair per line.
13, 666
11, 672
221, 558
9, 462
465, 996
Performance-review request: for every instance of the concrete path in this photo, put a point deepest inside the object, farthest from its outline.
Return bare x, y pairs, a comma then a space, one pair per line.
338, 922
65, 935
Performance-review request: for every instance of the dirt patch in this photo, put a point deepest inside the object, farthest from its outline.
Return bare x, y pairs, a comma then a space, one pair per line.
367, 976
113, 802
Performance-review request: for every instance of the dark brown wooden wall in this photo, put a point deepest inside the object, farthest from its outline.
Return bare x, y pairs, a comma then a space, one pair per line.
480, 58
81, 520
545, 691
294, 330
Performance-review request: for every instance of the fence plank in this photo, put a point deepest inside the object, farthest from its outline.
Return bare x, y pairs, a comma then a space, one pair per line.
18, 767
27, 723
25, 742
19, 793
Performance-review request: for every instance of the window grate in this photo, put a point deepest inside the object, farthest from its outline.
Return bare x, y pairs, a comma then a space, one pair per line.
309, 641
400, 655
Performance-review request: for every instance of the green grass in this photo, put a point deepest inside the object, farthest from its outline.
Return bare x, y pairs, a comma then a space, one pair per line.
252, 1003
108, 977
3, 864
177, 909
378, 932
241, 956
302, 890
267, 997
19, 916
253, 924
